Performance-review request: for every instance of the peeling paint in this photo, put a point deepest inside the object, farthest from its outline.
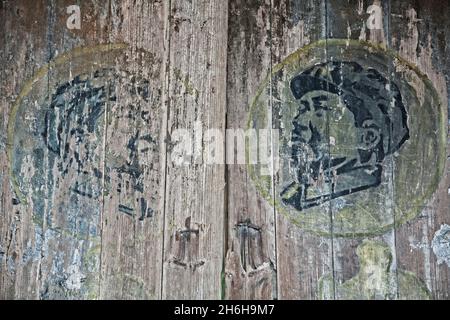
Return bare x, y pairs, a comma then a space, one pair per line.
441, 245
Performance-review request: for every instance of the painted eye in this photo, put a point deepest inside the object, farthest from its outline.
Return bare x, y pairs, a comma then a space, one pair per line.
303, 106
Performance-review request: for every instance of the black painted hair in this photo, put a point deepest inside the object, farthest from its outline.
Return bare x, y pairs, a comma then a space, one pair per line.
365, 92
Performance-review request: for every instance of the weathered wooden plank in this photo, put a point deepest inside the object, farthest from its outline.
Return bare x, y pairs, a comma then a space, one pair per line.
303, 255
344, 21
69, 266
132, 222
49, 133
194, 208
251, 255
402, 191
419, 31
18, 280
361, 21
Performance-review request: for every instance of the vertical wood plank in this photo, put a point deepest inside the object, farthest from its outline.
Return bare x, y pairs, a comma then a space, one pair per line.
55, 255
419, 31
344, 21
394, 193
70, 221
251, 257
303, 256
349, 21
194, 208
132, 223
18, 280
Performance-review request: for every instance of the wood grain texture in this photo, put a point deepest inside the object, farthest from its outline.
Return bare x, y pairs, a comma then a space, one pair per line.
349, 21
303, 257
132, 223
16, 281
52, 256
250, 265
194, 205
419, 31
95, 204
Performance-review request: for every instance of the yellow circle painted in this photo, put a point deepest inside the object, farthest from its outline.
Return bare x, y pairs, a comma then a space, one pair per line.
362, 138
62, 156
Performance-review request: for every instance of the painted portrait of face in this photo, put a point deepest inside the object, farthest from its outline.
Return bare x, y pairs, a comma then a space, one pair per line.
72, 131
85, 132
348, 119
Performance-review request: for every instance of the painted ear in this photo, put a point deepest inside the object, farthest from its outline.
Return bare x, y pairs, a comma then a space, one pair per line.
370, 135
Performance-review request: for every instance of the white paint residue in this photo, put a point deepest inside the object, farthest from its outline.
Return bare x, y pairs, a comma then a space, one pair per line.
75, 276
332, 141
349, 33
362, 34
441, 245
360, 7
74, 280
